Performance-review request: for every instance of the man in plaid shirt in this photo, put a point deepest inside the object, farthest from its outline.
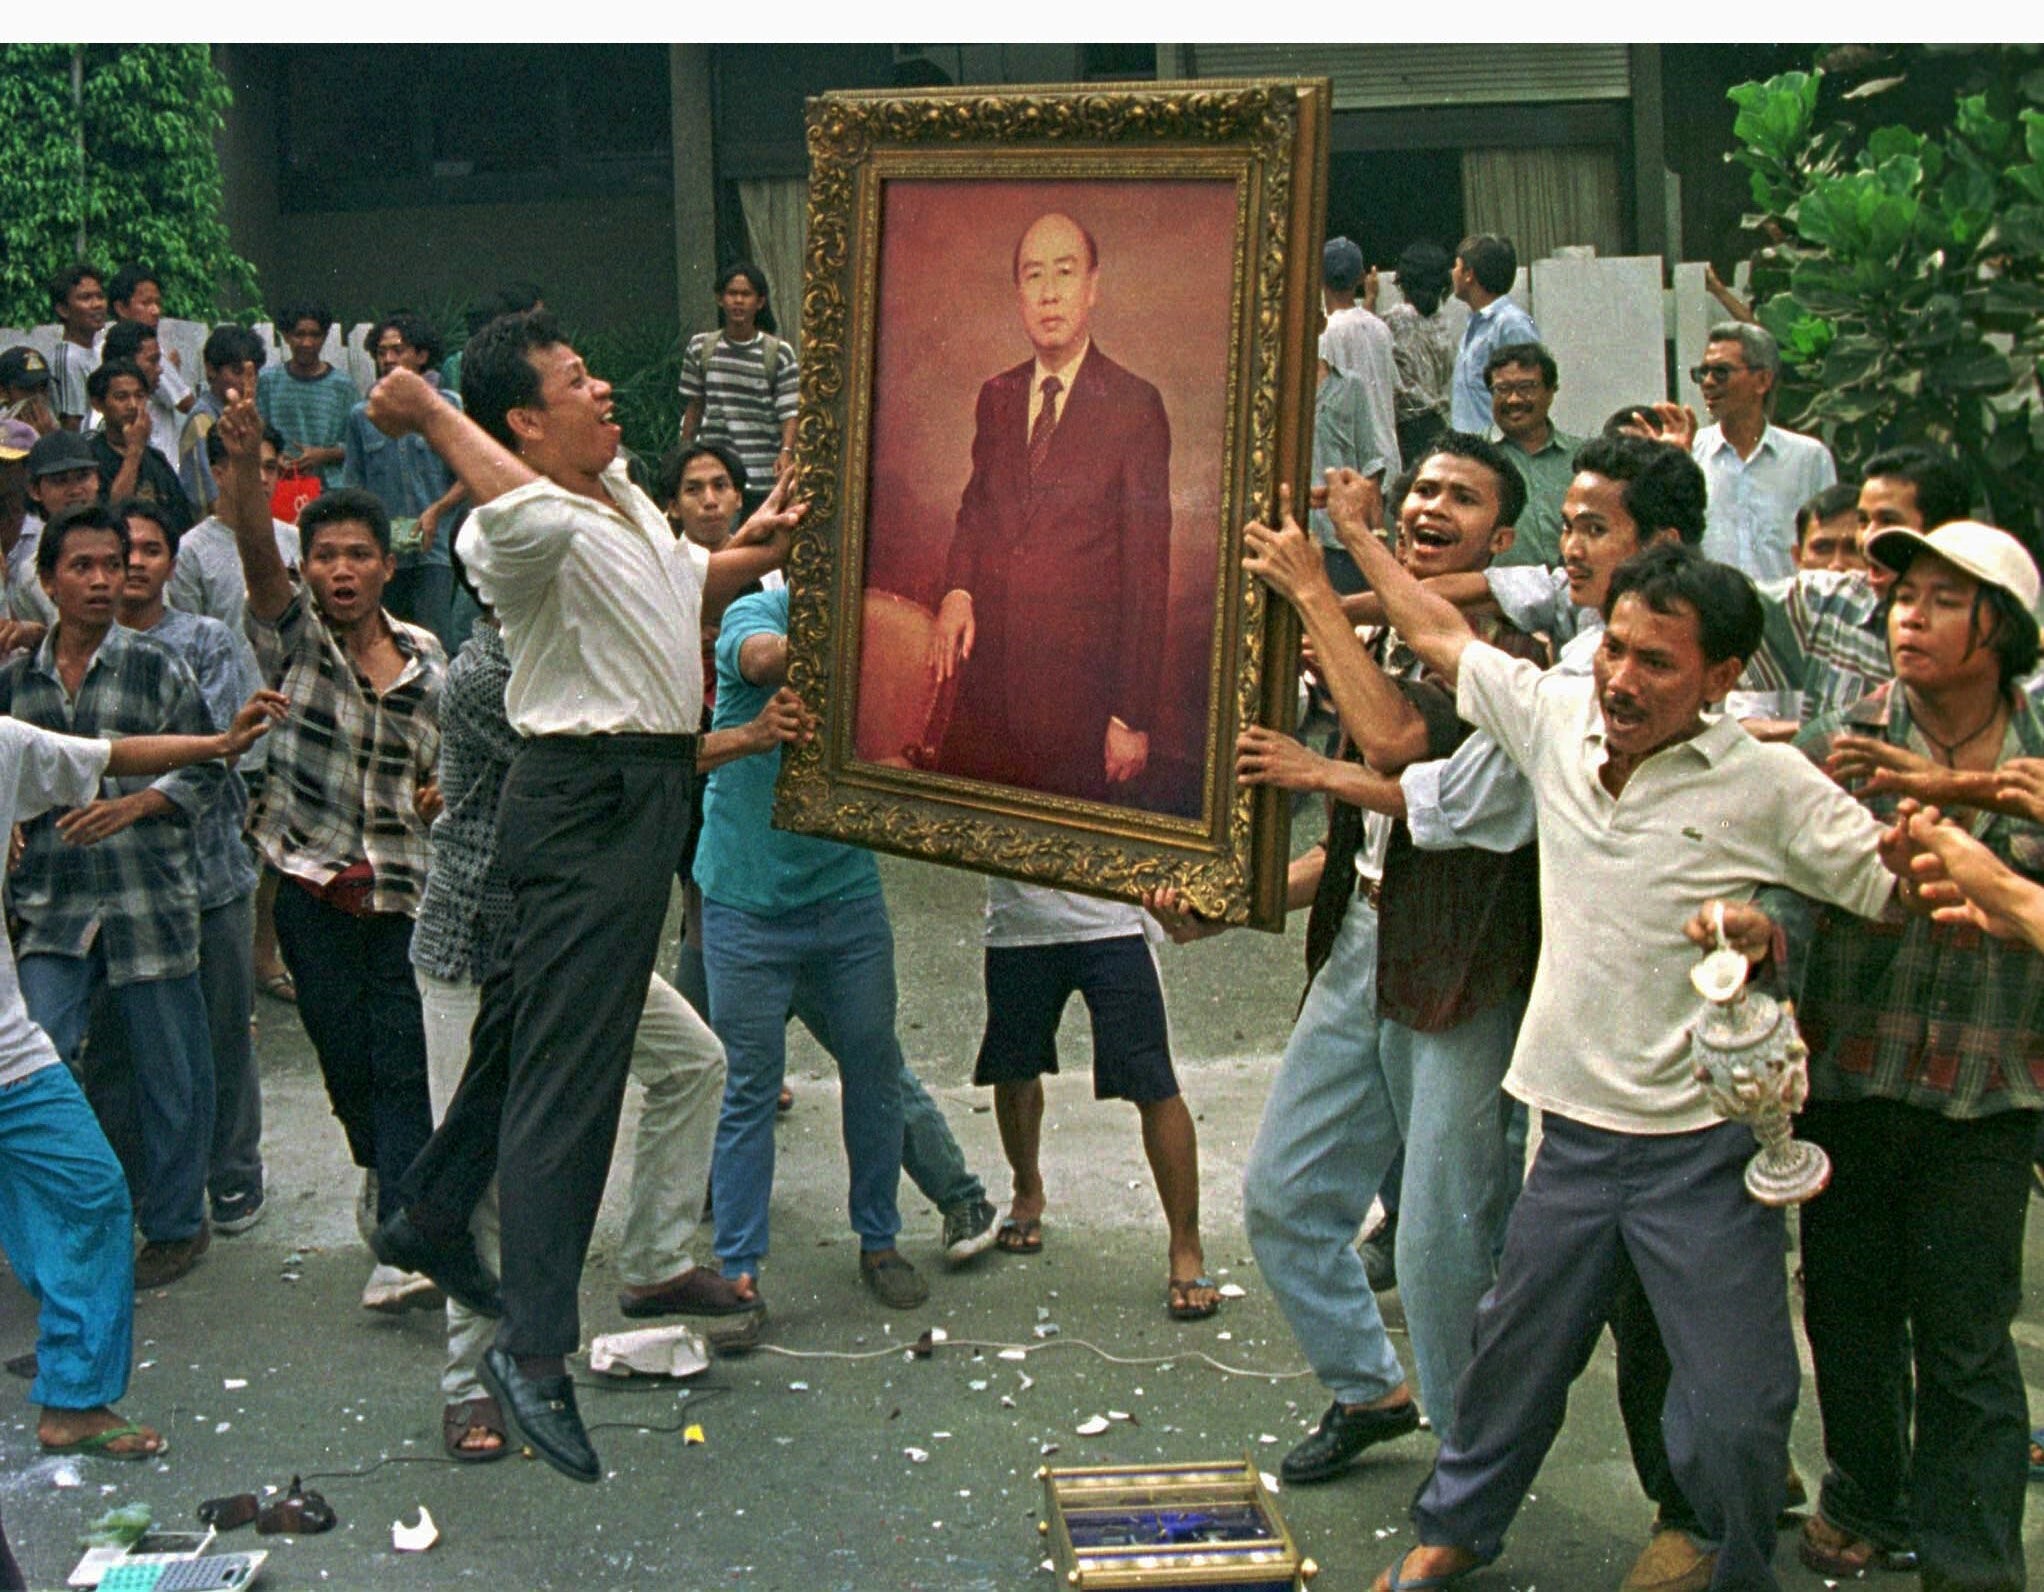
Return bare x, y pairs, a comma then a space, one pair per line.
108, 893
1926, 1082
344, 808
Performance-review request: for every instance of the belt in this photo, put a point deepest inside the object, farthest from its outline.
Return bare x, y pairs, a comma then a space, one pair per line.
663, 748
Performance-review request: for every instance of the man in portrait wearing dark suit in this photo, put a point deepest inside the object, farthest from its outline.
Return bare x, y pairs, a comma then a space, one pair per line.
1058, 581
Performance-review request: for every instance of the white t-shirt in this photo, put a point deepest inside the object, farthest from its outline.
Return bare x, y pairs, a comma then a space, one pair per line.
1033, 914
1606, 1035
38, 770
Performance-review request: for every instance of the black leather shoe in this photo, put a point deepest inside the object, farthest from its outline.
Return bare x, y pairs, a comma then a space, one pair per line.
456, 1267
1343, 1434
543, 1411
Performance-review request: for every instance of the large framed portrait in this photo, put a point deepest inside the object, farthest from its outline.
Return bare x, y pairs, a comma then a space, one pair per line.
1058, 347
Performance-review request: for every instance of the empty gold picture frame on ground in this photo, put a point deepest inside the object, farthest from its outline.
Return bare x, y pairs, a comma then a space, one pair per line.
1057, 348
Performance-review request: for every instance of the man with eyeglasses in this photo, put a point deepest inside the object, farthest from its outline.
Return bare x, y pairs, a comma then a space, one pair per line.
1523, 379
1759, 474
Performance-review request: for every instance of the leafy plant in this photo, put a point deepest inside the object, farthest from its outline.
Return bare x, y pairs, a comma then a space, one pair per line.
1905, 276
106, 154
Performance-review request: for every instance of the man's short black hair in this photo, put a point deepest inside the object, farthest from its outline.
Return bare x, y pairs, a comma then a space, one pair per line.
497, 372
1943, 492
305, 310
49, 546
1511, 485
1671, 578
128, 282
1534, 354
1631, 415
416, 331
1664, 488
513, 298
68, 278
678, 458
233, 345
124, 339
141, 508
1491, 260
101, 381
350, 505
216, 445
1841, 497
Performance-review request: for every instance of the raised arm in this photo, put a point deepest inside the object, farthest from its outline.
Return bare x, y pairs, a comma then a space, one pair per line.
757, 547
245, 509
1386, 728
405, 402
1427, 622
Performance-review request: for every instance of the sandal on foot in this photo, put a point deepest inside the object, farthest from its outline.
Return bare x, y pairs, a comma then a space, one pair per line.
101, 1443
1179, 1301
280, 987
2036, 1452
1395, 1582
459, 1421
1019, 1238
1835, 1552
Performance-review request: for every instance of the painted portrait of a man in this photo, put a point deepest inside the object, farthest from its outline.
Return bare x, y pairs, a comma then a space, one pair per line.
1060, 568
1043, 546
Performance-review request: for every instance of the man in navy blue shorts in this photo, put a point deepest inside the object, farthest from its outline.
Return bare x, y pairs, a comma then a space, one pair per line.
1043, 945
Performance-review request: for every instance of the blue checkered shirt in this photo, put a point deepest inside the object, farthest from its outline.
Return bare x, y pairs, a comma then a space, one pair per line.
134, 893
225, 668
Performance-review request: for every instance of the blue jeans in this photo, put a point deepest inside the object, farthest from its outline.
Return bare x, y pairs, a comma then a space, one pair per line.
840, 956
930, 1156
1350, 1088
65, 1225
173, 1056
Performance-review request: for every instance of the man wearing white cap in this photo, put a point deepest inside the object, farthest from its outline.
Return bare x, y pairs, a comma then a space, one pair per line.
1926, 1081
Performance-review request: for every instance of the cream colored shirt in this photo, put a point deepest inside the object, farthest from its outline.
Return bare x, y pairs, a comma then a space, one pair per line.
1606, 1035
600, 604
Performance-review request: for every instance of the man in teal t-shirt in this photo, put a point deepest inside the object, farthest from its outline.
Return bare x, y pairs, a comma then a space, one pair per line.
788, 916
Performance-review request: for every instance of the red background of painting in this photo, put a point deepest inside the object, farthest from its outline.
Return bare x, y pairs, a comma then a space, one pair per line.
948, 320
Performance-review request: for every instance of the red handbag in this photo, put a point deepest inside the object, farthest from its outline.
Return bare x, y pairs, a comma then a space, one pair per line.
294, 491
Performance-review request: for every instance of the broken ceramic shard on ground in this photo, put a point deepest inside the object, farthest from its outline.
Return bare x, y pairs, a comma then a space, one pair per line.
414, 1539
1233, 1290
651, 1351
1092, 1426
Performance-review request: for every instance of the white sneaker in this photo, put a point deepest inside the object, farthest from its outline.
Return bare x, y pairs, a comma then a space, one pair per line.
391, 1292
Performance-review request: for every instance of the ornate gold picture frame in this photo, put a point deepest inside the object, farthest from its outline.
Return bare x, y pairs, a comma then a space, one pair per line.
1058, 347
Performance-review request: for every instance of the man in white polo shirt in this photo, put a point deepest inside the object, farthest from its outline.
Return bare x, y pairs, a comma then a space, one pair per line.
1649, 811
601, 608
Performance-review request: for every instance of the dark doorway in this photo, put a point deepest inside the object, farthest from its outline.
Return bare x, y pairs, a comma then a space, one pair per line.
1385, 199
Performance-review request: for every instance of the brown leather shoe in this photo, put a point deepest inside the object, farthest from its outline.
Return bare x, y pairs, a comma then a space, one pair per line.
1672, 1562
695, 1292
159, 1263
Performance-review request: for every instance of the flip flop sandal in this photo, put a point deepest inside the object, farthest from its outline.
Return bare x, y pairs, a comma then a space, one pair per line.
279, 987
1178, 1298
101, 1443
457, 1421
1833, 1551
1019, 1238
1428, 1583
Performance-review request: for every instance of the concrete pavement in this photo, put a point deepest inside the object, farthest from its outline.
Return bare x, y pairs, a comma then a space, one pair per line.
806, 1480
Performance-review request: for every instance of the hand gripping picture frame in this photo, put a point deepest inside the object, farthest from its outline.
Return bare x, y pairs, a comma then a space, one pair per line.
1057, 349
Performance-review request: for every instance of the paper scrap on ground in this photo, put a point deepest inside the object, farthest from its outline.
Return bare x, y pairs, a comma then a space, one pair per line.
651, 1351
414, 1539
1093, 1426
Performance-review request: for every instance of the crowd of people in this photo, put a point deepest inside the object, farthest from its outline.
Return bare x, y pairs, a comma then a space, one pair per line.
415, 708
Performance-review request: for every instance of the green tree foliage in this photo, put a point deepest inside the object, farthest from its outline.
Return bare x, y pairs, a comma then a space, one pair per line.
1905, 279
147, 187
